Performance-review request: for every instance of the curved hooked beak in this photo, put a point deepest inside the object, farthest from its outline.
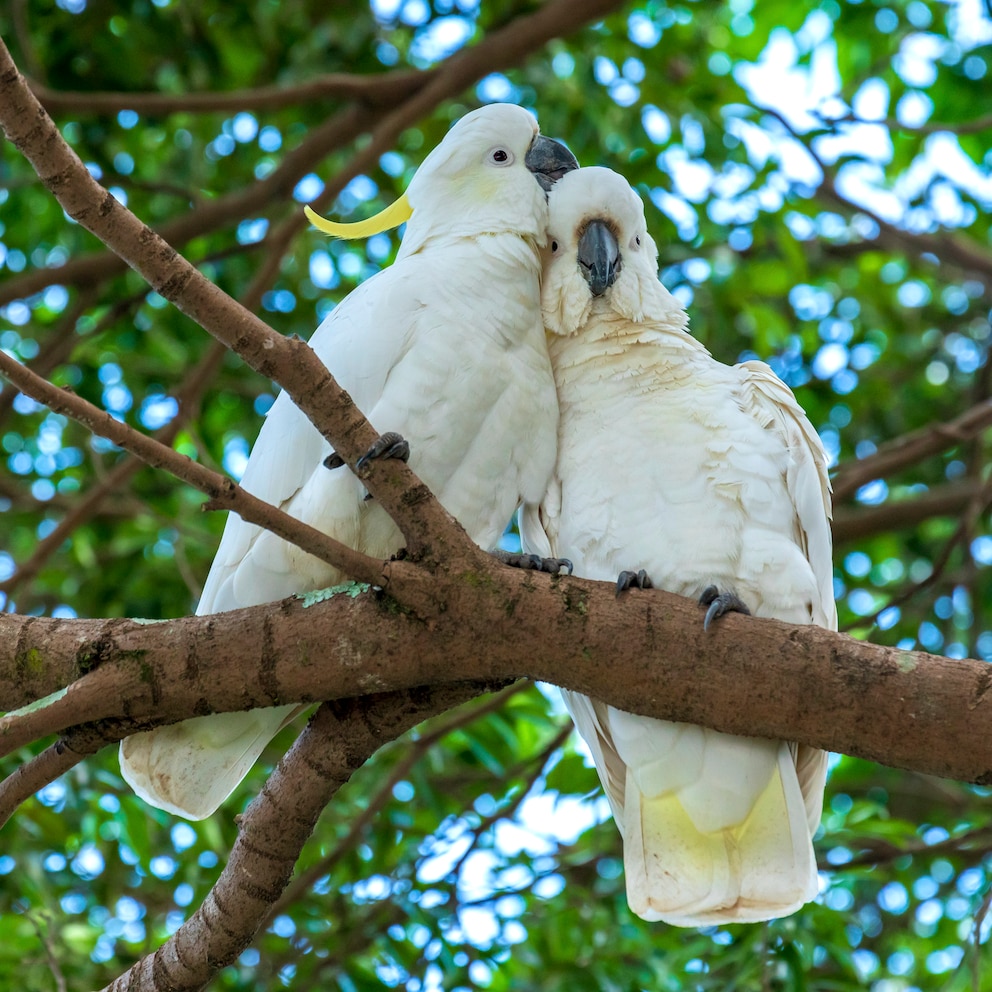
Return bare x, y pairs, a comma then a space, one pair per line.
549, 160
599, 256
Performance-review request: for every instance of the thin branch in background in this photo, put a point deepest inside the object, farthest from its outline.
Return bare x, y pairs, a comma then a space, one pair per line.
27, 779
976, 507
973, 126
22, 32
41, 928
976, 941
963, 254
855, 523
421, 519
537, 762
188, 398
379, 89
909, 449
215, 214
499, 50
973, 846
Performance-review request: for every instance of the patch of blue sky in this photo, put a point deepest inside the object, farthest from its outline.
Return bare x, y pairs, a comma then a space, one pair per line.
497, 88
308, 188
252, 230
157, 409
439, 39
678, 211
235, 458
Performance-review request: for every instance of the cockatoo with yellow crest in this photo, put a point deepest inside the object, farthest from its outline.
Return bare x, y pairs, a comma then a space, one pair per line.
709, 481
446, 346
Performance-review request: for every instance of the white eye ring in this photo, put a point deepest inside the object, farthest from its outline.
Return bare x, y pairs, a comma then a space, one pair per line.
499, 157
554, 246
635, 242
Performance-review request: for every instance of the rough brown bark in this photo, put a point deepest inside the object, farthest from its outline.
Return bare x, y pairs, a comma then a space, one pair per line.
646, 652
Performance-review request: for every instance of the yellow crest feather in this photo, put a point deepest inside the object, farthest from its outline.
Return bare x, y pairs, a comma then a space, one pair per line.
394, 215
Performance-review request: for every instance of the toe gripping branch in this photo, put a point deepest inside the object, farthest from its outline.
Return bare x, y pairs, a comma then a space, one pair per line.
720, 603
535, 562
628, 580
389, 445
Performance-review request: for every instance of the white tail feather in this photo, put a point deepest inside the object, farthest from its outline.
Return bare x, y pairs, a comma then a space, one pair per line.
759, 869
190, 768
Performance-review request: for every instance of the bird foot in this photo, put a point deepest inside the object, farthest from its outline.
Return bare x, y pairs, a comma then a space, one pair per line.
389, 445
536, 562
720, 603
640, 579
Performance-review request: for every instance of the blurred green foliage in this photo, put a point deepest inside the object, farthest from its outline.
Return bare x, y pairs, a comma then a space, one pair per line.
812, 170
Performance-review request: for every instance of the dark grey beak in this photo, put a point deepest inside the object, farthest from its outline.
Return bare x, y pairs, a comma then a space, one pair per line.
549, 160
599, 256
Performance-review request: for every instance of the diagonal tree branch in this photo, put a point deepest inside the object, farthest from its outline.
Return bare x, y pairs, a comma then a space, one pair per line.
291, 363
224, 493
339, 739
87, 269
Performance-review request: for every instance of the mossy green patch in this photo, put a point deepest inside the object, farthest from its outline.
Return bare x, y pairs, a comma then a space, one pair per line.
350, 589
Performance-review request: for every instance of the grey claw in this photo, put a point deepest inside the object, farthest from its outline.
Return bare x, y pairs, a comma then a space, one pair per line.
720, 603
333, 461
389, 445
640, 579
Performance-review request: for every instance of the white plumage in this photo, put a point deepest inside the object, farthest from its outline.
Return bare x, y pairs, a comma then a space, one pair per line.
447, 347
701, 474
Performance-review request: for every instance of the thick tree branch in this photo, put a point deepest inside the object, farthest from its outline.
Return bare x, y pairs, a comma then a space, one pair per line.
339, 739
646, 653
414, 752
188, 397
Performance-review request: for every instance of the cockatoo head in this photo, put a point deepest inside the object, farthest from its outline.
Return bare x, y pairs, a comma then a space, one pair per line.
599, 255
488, 175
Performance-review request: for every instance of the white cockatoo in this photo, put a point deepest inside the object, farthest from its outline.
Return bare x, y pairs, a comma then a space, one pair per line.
711, 480
446, 345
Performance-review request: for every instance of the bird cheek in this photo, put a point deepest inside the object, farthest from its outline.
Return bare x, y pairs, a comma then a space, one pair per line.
628, 299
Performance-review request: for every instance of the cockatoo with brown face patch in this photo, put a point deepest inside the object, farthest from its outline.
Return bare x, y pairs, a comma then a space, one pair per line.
447, 346
711, 479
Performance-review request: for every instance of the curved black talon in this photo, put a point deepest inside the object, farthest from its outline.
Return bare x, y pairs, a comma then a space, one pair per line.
720, 603
535, 562
333, 461
389, 445
640, 579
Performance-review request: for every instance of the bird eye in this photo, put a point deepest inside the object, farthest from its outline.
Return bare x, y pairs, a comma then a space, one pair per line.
554, 246
500, 157
637, 241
